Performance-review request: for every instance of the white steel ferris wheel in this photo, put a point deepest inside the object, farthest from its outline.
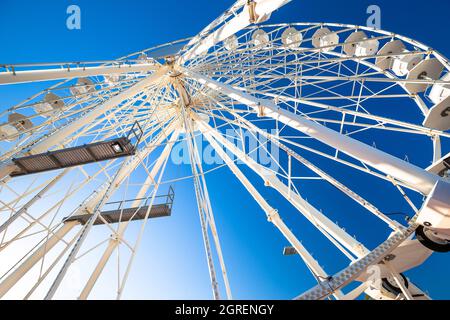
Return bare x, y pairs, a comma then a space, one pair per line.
328, 96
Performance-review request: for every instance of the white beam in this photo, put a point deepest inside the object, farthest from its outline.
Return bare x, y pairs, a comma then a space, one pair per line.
67, 73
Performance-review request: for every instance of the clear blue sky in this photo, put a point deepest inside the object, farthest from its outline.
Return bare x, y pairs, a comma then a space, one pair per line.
171, 264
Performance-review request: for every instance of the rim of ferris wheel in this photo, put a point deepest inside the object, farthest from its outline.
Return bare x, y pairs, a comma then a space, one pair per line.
391, 48
440, 91
441, 167
352, 41
325, 40
438, 117
429, 69
123, 213
291, 38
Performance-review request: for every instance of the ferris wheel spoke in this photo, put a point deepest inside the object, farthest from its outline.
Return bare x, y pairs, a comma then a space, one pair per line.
37, 197
64, 71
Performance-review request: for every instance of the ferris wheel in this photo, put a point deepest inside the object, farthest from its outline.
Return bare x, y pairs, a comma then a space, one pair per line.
82, 163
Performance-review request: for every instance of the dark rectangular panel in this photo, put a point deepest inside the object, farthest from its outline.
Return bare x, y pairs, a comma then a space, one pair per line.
129, 214
75, 156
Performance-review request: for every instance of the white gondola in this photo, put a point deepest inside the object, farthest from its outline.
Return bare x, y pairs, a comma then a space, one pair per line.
440, 91
385, 61
367, 48
83, 86
403, 64
324, 38
54, 100
112, 79
441, 166
7, 132
20, 122
260, 38
231, 43
17, 123
43, 109
439, 116
51, 102
429, 69
352, 41
291, 38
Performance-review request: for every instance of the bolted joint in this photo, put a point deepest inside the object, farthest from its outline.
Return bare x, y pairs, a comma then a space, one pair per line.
251, 5
115, 237
261, 111
273, 215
